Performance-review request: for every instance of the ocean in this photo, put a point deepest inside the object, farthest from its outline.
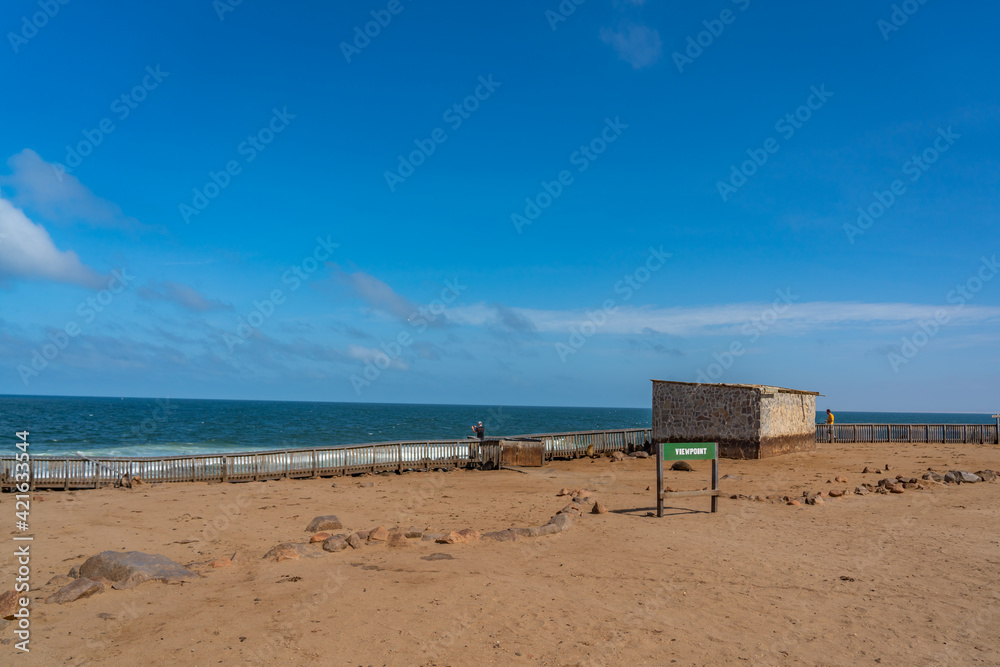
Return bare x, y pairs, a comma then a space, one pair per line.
175, 427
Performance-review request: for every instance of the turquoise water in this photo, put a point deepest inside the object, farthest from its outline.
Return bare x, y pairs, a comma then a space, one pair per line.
164, 427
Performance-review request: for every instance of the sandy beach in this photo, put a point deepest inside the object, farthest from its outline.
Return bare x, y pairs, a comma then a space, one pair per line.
902, 578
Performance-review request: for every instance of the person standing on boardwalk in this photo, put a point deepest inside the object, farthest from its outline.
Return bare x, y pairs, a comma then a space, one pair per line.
829, 416
480, 430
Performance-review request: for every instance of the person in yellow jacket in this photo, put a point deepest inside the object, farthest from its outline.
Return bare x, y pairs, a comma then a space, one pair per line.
829, 416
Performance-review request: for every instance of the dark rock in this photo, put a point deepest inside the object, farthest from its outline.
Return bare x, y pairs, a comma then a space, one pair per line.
987, 475
355, 541
682, 465
599, 509
501, 536
933, 476
561, 522
861, 490
438, 557
325, 522
398, 540
74, 572
76, 589
335, 543
413, 533
959, 476
128, 569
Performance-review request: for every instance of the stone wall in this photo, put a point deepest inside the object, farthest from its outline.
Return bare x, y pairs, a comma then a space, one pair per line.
729, 416
748, 421
787, 423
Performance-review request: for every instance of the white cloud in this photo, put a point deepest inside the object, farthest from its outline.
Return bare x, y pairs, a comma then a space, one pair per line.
27, 251
60, 197
728, 319
638, 45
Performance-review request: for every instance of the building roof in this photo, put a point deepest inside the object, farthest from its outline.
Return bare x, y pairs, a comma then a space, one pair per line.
762, 387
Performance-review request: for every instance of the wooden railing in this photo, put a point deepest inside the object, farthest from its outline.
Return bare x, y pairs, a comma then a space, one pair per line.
946, 433
65, 472
575, 443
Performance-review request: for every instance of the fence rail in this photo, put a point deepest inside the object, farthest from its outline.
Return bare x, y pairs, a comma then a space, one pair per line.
874, 433
51, 472
93, 472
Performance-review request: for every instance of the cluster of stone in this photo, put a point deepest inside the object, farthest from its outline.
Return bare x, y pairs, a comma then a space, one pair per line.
321, 540
887, 485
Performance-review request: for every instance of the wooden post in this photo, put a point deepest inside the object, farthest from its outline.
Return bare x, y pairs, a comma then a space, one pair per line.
659, 479
997, 417
715, 480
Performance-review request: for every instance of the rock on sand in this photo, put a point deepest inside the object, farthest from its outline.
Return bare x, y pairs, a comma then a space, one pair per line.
76, 589
128, 569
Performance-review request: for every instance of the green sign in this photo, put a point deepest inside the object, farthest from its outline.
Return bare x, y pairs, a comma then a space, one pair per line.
688, 451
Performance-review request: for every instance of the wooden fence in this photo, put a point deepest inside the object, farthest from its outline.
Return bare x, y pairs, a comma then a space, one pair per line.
66, 472
946, 433
53, 472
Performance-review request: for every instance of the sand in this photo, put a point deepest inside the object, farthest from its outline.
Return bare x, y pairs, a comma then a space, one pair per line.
890, 579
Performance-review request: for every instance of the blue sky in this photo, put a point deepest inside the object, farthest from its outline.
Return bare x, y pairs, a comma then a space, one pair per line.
520, 203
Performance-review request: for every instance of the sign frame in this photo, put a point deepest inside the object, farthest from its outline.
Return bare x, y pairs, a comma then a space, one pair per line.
686, 455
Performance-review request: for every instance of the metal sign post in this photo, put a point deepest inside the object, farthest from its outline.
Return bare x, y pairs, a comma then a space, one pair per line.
686, 451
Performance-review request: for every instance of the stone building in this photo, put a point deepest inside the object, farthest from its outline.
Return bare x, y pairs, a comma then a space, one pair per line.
749, 421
